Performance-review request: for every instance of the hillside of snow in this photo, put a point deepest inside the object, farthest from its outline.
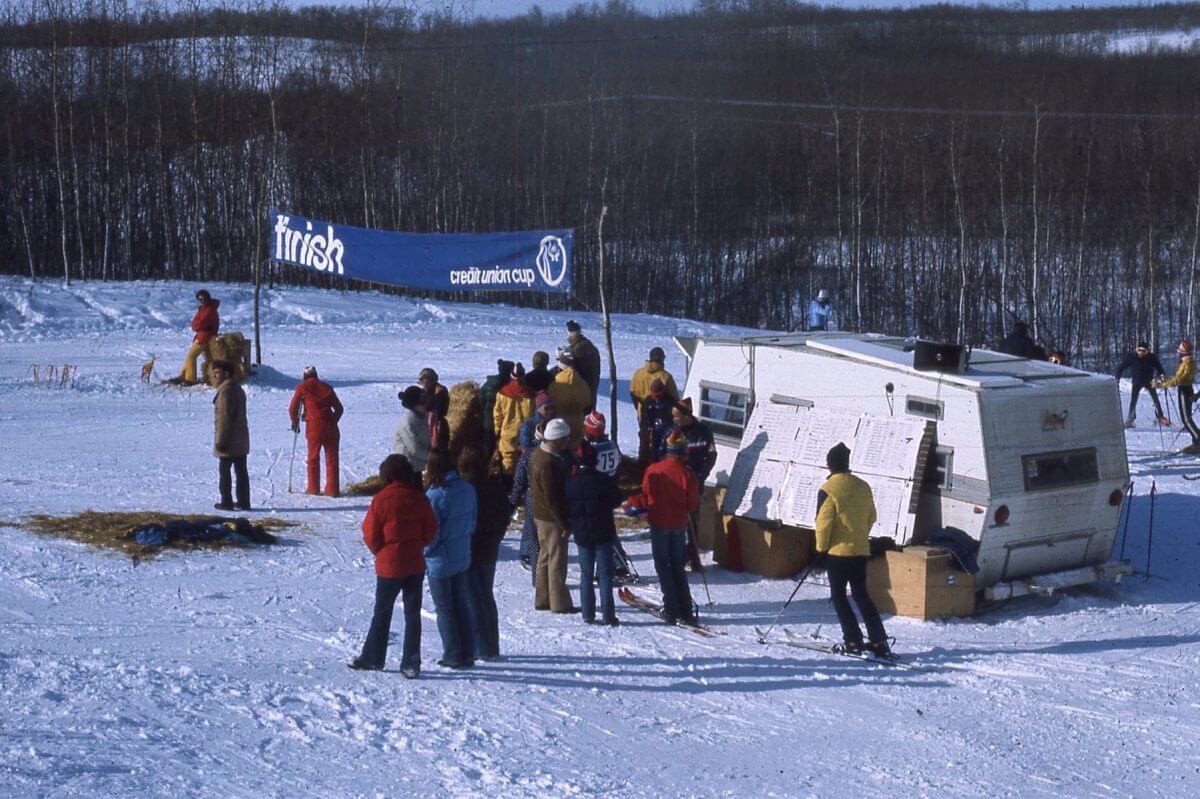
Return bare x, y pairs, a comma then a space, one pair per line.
222, 674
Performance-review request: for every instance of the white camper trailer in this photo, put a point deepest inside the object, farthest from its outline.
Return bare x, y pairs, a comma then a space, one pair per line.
1026, 457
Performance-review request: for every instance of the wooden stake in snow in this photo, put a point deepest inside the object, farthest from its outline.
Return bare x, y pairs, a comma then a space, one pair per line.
612, 360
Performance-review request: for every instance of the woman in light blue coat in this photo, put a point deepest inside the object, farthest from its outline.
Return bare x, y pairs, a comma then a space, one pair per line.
448, 558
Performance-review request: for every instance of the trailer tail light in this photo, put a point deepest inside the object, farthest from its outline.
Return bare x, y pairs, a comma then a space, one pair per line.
1116, 497
1001, 516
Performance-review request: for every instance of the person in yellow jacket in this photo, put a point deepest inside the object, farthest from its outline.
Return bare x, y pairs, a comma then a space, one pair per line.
1182, 381
571, 396
845, 516
639, 392
513, 407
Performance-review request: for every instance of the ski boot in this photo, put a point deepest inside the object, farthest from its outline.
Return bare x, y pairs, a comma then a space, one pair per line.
849, 648
1191, 449
880, 649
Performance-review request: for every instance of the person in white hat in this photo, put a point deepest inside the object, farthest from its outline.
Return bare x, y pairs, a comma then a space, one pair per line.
818, 311
547, 482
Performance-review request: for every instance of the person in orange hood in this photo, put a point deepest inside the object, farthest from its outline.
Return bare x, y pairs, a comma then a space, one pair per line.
322, 410
205, 325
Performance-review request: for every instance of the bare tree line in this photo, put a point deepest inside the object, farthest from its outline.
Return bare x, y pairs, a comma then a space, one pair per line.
942, 171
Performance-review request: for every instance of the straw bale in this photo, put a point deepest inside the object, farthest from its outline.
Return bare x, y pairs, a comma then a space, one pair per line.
465, 416
232, 347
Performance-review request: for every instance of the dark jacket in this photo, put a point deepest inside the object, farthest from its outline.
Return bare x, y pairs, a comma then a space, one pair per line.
1018, 343
656, 417
537, 380
1141, 370
701, 452
521, 495
547, 475
587, 361
591, 497
487, 397
399, 525
491, 520
231, 432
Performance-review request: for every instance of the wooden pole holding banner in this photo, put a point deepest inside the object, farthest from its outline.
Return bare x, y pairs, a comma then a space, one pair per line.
258, 261
612, 359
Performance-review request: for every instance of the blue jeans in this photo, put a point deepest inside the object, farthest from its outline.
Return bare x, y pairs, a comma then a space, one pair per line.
481, 577
374, 651
668, 548
450, 600
596, 561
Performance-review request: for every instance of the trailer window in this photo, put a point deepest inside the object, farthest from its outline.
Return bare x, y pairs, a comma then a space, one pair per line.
925, 408
724, 409
1060, 469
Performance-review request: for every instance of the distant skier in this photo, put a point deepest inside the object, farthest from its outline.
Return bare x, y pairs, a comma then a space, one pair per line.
639, 392
322, 411
231, 438
586, 359
399, 525
1143, 366
205, 325
1182, 382
1019, 342
845, 515
819, 311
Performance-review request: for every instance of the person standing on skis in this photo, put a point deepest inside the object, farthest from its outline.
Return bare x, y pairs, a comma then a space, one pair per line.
845, 516
1182, 382
1143, 366
322, 410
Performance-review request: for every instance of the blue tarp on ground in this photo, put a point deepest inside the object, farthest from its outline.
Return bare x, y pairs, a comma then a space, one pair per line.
525, 260
215, 529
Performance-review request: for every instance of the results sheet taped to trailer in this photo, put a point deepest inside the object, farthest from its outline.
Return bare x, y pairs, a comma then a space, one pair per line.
780, 465
525, 260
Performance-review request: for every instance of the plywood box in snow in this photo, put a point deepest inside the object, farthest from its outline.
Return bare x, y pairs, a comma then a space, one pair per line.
777, 553
710, 517
920, 582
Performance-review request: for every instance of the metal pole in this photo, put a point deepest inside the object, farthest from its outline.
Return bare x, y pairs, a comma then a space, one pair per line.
762, 639
1128, 510
1150, 534
696, 545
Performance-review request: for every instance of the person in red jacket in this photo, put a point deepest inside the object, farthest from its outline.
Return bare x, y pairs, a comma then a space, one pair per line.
670, 492
322, 410
399, 525
205, 325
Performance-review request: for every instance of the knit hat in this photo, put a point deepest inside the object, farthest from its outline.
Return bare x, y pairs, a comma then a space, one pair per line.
1185, 348
557, 429
838, 458
1142, 345
410, 396
573, 327
657, 355
677, 444
427, 373
505, 368
594, 424
542, 400
685, 406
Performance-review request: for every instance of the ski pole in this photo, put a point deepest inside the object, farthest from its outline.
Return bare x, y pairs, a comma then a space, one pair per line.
696, 546
1150, 534
292, 462
1128, 510
762, 639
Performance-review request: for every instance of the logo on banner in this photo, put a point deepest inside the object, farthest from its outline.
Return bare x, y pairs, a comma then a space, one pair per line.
552, 260
322, 252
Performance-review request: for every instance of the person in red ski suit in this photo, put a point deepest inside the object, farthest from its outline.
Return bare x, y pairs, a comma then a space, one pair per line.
322, 410
205, 325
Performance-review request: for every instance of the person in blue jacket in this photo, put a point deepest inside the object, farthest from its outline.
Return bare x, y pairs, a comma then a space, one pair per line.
448, 558
818, 311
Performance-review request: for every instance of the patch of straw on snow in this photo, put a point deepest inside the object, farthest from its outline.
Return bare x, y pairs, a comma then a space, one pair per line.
365, 488
111, 530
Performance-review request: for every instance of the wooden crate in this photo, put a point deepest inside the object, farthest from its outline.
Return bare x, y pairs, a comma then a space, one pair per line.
777, 553
710, 521
920, 582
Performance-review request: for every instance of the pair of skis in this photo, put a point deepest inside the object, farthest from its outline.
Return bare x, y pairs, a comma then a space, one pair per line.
656, 610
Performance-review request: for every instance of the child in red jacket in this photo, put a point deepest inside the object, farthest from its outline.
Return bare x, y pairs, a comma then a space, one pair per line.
399, 525
671, 491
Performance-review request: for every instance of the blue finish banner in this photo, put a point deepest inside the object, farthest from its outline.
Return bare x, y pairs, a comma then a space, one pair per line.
527, 260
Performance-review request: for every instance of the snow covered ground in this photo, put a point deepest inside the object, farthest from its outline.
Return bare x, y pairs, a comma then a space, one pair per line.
222, 674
